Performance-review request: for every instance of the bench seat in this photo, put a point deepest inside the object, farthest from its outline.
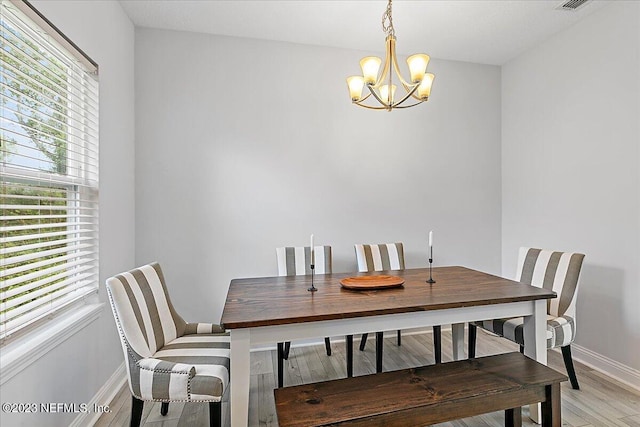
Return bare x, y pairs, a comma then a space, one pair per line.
426, 395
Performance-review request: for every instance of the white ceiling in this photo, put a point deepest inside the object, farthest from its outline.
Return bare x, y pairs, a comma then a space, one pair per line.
481, 31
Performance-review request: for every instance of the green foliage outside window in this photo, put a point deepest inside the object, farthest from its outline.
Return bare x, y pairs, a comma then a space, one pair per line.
34, 134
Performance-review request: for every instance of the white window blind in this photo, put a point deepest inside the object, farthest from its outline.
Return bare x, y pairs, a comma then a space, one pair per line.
48, 170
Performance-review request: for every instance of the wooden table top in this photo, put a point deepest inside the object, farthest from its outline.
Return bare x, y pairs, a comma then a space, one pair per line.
267, 301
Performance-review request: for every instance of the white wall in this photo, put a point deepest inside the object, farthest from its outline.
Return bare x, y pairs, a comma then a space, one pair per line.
245, 145
570, 168
75, 370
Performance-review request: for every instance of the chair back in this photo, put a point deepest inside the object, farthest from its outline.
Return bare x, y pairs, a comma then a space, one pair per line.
552, 270
384, 256
144, 315
296, 261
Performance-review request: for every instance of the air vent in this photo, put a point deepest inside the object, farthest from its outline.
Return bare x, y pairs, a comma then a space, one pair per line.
572, 5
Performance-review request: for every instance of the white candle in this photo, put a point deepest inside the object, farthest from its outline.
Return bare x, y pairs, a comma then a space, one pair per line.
312, 251
431, 238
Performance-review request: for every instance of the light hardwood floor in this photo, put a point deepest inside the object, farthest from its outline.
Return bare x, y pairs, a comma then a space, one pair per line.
600, 402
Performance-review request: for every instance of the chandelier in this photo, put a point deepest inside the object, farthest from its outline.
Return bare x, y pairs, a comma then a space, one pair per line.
380, 82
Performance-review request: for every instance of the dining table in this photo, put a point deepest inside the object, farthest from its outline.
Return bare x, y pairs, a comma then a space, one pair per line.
267, 310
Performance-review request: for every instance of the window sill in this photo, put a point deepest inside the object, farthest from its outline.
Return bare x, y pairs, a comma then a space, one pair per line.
16, 356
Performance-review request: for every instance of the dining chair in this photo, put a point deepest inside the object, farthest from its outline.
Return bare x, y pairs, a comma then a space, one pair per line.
382, 257
296, 261
168, 359
557, 271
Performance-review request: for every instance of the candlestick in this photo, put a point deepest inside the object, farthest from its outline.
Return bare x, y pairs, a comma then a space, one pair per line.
430, 280
313, 273
312, 265
313, 254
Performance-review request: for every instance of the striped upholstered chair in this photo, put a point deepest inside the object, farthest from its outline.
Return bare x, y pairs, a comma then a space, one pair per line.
388, 256
168, 359
557, 271
296, 261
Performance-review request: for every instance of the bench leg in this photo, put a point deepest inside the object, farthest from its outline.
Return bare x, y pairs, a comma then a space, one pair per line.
437, 343
551, 412
473, 334
164, 408
349, 343
280, 364
327, 345
513, 417
379, 339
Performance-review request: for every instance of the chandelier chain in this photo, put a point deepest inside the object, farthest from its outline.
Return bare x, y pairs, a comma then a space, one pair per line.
386, 17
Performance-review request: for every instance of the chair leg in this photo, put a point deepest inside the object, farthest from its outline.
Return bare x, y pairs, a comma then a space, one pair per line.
327, 345
287, 347
215, 414
399, 338
363, 341
136, 411
522, 349
280, 364
379, 344
473, 333
437, 343
164, 408
568, 362
349, 343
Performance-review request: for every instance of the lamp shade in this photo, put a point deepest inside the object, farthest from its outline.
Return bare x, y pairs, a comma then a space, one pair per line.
424, 90
418, 66
355, 83
370, 66
385, 95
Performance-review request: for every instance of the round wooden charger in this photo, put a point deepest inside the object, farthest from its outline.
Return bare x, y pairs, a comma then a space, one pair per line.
371, 282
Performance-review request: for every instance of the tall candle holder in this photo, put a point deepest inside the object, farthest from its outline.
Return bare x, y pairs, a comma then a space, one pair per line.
430, 264
313, 273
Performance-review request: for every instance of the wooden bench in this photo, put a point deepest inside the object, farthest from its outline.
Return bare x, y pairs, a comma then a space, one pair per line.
427, 395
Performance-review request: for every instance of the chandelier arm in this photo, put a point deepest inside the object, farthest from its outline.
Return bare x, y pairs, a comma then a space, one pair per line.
362, 99
369, 106
412, 105
394, 60
419, 99
395, 105
386, 67
377, 97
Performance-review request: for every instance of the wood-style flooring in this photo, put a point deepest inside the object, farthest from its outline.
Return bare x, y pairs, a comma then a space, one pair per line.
600, 402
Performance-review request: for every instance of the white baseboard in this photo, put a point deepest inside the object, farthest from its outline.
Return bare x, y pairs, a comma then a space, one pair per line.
103, 397
610, 367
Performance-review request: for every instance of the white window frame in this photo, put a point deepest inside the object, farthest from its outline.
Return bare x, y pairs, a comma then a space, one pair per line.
82, 187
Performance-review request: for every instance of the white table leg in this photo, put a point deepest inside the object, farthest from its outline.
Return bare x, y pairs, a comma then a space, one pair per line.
240, 376
535, 344
457, 340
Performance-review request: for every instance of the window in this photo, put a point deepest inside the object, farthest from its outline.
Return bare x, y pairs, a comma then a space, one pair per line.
48, 170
